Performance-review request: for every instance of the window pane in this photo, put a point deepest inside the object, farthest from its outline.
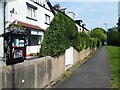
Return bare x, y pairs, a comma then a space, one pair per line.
29, 11
35, 39
47, 18
27, 41
39, 39
34, 14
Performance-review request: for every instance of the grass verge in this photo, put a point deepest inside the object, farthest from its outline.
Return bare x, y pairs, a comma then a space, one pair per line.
113, 57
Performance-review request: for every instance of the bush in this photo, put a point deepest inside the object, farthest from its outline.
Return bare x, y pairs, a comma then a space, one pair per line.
99, 43
59, 36
93, 42
82, 41
78, 43
113, 37
62, 34
99, 33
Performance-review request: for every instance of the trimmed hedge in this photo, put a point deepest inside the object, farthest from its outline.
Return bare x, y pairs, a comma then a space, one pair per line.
59, 36
95, 42
99, 43
78, 43
82, 41
62, 34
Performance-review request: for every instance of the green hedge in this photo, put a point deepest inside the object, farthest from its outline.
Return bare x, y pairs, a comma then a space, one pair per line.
59, 36
62, 34
95, 42
82, 41
78, 43
99, 43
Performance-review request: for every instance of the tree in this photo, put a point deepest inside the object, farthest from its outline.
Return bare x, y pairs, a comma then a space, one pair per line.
59, 36
99, 33
118, 25
113, 37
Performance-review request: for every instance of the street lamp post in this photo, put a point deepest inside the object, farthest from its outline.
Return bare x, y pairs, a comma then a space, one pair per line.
106, 32
105, 26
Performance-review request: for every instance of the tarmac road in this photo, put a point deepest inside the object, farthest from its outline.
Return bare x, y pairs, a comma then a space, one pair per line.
94, 73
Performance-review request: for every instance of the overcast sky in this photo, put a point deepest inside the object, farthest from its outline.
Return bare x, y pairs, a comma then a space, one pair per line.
94, 14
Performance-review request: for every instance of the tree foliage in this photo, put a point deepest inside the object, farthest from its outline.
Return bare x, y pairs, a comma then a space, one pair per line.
113, 37
82, 41
99, 33
59, 36
62, 34
93, 42
118, 25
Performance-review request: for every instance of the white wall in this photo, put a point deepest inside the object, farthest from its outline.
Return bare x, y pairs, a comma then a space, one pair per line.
21, 13
79, 28
1, 28
68, 58
71, 15
33, 49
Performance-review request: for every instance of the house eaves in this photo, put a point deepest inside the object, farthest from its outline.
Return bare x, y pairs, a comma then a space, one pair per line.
26, 25
62, 13
70, 18
78, 23
51, 8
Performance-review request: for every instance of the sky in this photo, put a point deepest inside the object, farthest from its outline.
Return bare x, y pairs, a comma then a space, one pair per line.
94, 14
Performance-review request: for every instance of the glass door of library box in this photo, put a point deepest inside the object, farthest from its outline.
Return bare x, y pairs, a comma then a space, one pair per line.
18, 49
14, 48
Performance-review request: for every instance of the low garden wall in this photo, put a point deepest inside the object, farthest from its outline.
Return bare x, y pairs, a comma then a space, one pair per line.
37, 73
78, 56
33, 74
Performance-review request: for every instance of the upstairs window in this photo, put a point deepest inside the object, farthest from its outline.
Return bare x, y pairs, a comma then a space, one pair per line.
31, 11
47, 19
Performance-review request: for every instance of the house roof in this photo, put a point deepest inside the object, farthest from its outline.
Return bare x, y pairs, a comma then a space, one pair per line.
49, 4
75, 21
62, 13
27, 25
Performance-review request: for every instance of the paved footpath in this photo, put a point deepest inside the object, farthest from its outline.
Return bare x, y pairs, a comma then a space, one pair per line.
93, 74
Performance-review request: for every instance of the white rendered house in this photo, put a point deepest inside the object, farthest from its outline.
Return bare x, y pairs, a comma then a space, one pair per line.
1, 27
79, 23
35, 15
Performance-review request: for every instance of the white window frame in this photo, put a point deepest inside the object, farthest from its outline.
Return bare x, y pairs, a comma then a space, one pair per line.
47, 19
31, 12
